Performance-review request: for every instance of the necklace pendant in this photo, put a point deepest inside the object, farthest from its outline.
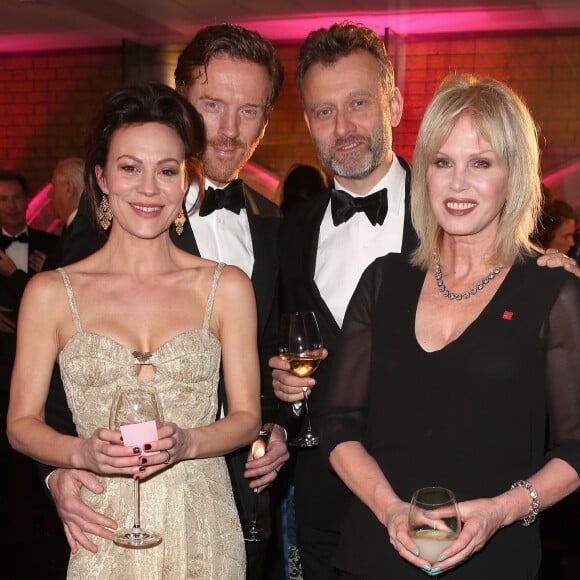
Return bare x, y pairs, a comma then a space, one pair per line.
142, 357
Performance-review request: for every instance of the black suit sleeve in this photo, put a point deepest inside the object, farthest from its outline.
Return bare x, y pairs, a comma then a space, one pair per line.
83, 236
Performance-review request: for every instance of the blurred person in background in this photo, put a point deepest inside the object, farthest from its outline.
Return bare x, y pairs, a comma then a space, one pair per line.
24, 251
300, 182
67, 185
557, 226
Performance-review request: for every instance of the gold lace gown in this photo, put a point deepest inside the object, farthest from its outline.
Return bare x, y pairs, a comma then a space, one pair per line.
190, 503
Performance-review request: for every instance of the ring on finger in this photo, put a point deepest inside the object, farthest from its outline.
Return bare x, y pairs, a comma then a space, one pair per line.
166, 462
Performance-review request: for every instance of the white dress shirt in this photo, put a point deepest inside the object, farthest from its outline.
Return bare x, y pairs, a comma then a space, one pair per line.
345, 251
223, 236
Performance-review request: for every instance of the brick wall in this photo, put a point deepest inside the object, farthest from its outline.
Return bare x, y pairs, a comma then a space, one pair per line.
544, 69
46, 100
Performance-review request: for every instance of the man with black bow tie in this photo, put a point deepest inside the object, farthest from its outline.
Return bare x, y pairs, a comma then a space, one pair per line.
350, 103
24, 251
232, 76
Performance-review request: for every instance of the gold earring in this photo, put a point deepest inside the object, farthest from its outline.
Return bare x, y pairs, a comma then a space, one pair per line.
179, 222
104, 213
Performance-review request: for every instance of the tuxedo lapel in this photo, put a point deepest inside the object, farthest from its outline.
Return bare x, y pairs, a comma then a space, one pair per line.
310, 250
264, 233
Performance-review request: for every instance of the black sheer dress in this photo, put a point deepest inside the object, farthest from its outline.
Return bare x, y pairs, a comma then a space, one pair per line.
471, 416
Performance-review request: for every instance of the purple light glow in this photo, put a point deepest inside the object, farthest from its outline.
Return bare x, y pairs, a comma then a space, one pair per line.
40, 213
295, 28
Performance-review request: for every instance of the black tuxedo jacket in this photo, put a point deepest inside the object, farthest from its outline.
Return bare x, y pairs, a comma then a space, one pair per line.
12, 287
320, 496
263, 216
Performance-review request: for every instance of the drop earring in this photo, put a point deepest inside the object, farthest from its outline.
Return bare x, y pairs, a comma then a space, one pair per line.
179, 222
104, 213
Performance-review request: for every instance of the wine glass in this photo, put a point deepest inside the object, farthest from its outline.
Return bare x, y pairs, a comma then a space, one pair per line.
434, 521
301, 345
256, 532
131, 406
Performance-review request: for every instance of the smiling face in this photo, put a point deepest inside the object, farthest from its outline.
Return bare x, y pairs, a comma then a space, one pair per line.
467, 183
144, 177
350, 118
232, 100
13, 204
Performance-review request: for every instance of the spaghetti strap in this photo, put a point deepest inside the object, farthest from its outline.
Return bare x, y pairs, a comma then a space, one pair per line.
71, 299
211, 295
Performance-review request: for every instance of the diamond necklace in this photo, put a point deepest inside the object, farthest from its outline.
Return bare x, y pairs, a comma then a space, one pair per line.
468, 293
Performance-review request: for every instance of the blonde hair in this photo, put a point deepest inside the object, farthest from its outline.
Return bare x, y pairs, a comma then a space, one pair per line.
500, 117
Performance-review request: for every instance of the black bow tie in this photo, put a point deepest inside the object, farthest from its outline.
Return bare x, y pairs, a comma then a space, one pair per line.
344, 206
230, 197
7, 240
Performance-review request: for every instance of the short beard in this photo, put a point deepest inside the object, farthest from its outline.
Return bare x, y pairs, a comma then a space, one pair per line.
217, 171
357, 165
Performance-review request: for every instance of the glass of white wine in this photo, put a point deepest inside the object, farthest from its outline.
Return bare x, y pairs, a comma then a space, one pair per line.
301, 345
434, 521
135, 405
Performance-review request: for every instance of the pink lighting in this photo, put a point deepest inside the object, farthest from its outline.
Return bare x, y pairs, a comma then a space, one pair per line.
565, 183
293, 28
40, 213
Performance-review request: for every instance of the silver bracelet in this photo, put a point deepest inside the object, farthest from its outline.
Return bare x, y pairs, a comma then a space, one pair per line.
534, 501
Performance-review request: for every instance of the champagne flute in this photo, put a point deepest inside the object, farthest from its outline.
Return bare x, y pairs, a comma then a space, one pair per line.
130, 406
301, 345
434, 521
256, 532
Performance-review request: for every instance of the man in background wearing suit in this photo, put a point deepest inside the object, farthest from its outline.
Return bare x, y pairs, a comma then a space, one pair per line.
24, 251
351, 104
232, 76
67, 185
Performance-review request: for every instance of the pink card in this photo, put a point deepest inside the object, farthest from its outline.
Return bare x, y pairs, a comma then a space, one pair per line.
137, 434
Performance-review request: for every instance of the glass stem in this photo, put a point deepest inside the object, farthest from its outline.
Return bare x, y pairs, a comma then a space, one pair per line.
255, 514
136, 505
307, 412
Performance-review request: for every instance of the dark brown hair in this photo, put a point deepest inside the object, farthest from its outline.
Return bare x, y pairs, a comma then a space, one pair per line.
235, 42
137, 104
327, 45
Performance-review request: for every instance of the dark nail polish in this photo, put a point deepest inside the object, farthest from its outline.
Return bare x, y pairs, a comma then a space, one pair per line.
143, 460
121, 439
136, 450
142, 468
147, 447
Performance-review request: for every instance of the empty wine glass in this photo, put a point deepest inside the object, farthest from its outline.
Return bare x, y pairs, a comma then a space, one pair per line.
256, 531
434, 521
130, 406
301, 345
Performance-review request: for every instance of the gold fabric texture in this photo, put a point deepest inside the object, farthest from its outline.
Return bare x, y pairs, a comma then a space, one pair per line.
190, 503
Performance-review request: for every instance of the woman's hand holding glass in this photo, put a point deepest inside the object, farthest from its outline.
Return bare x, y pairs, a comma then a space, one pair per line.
434, 524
